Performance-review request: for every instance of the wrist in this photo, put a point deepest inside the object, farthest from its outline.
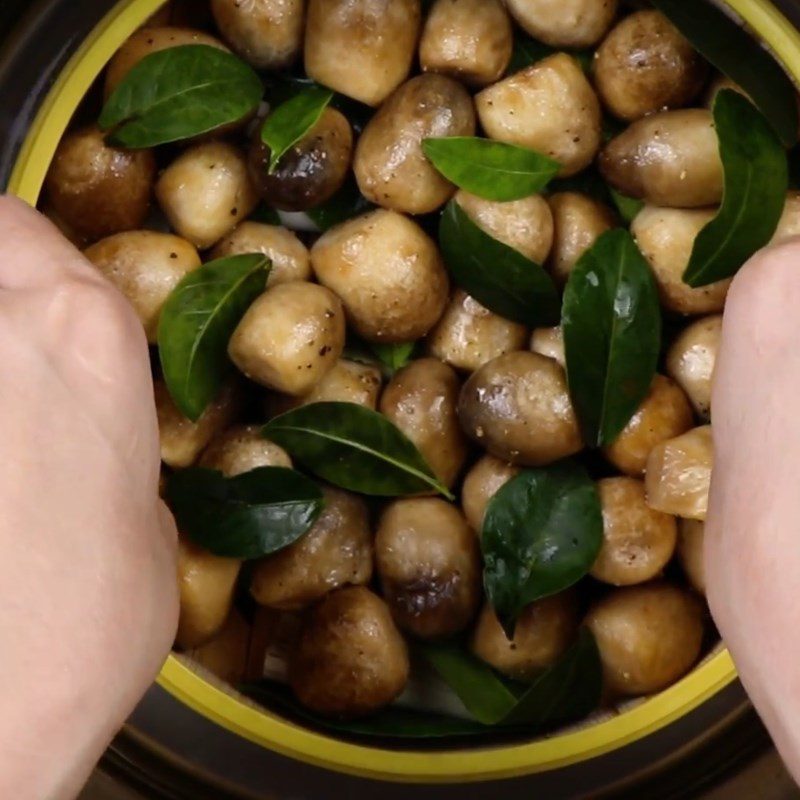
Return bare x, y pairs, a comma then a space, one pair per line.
50, 738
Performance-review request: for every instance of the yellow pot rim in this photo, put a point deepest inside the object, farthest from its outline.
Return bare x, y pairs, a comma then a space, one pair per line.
268, 729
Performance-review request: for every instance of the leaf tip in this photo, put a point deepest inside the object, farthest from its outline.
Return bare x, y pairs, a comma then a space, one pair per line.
113, 139
508, 622
189, 408
690, 277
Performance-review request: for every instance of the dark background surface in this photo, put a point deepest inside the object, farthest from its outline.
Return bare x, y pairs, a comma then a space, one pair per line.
169, 752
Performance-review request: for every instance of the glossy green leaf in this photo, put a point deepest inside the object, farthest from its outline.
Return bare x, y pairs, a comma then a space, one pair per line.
496, 275
247, 516
567, 691
756, 174
393, 357
628, 207
196, 323
180, 93
284, 86
355, 448
489, 169
737, 54
611, 321
291, 121
541, 534
488, 698
389, 358
345, 204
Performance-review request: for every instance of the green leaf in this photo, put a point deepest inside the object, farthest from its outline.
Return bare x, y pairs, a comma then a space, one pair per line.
567, 691
628, 207
611, 320
737, 54
291, 121
496, 275
488, 169
355, 448
196, 323
389, 358
284, 86
393, 357
483, 693
756, 176
541, 534
247, 516
345, 204
528, 51
180, 93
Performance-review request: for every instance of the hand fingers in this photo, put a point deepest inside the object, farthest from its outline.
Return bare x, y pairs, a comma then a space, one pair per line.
756, 386
33, 252
752, 547
168, 527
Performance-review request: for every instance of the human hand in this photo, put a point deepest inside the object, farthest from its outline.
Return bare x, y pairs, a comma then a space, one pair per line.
752, 541
89, 605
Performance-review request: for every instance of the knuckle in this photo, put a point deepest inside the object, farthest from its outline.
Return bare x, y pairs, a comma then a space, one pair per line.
104, 305
90, 316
